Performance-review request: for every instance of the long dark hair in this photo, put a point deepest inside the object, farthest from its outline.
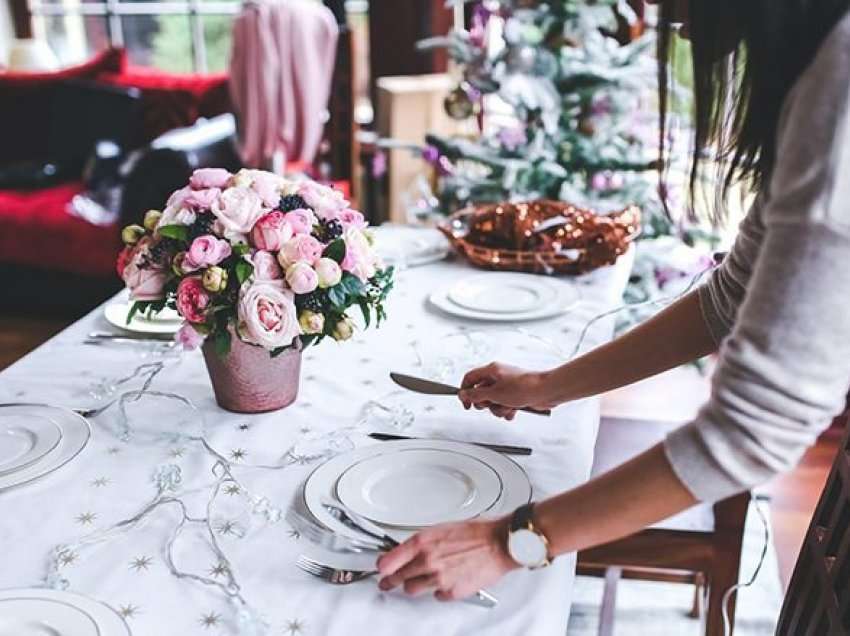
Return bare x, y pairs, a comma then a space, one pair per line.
747, 54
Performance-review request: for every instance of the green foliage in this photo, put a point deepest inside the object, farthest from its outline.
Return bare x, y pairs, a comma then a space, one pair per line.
221, 342
177, 232
243, 270
335, 250
172, 44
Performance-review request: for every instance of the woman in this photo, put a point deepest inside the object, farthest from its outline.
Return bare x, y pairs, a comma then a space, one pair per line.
773, 310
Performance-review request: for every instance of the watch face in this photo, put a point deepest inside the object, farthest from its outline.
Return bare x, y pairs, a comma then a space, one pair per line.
527, 548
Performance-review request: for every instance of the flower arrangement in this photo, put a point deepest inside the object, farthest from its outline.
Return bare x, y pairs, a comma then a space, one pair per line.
269, 259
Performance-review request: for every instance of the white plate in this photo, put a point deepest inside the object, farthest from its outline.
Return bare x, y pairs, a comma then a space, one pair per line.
498, 293
415, 488
568, 296
75, 435
321, 484
79, 615
409, 246
165, 322
25, 439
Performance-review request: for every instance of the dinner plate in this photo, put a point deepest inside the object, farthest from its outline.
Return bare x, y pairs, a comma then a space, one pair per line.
167, 321
419, 487
321, 484
409, 246
25, 439
46, 612
504, 293
568, 295
75, 435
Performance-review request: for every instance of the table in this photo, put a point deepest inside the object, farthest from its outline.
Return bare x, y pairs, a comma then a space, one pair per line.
112, 480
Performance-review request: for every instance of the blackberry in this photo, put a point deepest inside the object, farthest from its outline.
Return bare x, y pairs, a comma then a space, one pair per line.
291, 202
314, 301
328, 231
202, 225
160, 253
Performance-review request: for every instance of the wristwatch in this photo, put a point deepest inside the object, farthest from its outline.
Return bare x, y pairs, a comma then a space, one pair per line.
527, 545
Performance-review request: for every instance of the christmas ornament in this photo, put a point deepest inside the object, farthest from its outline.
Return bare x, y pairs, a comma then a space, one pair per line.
459, 104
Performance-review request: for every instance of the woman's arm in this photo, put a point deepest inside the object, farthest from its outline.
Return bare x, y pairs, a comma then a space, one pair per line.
677, 335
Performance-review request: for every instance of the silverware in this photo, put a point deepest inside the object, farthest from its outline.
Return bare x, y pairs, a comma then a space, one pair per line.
134, 337
505, 449
331, 574
328, 539
94, 412
420, 385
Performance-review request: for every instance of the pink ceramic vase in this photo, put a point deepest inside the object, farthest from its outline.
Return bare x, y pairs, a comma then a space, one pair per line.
249, 380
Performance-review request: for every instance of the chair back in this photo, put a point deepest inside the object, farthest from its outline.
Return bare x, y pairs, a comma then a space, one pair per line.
818, 598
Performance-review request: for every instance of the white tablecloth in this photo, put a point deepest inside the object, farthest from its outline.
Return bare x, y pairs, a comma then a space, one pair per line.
111, 480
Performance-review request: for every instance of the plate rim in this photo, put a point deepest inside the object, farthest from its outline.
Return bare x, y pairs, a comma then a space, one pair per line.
438, 299
30, 462
501, 483
38, 470
165, 328
544, 282
55, 601
93, 604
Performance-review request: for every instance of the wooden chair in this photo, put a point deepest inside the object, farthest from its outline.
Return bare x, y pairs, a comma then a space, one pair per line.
701, 546
818, 599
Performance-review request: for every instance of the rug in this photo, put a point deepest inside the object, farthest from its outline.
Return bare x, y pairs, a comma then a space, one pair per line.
646, 608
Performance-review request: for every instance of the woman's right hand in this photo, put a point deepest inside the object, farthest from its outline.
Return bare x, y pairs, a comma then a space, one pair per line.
504, 389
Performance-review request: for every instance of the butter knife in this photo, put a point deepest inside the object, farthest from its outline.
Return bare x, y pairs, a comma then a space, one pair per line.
505, 449
420, 385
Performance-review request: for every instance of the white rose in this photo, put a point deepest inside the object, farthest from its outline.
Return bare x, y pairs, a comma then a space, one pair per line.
237, 209
329, 271
267, 314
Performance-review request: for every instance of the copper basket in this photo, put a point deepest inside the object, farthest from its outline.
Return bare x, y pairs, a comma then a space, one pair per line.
544, 237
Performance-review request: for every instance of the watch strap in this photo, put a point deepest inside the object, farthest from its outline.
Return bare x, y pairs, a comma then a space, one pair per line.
522, 519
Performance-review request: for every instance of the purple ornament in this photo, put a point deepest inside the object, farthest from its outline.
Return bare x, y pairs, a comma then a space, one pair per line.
512, 138
599, 182
430, 154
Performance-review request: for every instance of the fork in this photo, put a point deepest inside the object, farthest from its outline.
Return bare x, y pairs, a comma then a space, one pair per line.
331, 574
94, 412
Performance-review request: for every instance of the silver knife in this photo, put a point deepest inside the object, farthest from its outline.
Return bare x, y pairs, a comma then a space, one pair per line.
420, 385
120, 337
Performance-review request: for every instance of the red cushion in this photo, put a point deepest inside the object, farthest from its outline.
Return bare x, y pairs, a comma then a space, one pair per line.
25, 104
173, 101
38, 231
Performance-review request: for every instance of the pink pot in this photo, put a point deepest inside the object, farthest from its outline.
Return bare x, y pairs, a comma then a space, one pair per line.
249, 380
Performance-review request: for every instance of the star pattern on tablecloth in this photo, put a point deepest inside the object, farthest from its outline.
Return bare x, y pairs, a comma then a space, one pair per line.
99, 482
68, 557
231, 489
294, 534
86, 518
368, 382
219, 569
430, 408
176, 453
305, 428
238, 454
310, 378
226, 527
294, 626
128, 611
113, 450
140, 563
244, 426
210, 619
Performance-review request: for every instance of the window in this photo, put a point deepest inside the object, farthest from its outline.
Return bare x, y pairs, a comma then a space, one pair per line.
180, 36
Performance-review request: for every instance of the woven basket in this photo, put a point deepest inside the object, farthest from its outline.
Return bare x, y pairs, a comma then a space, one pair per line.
544, 237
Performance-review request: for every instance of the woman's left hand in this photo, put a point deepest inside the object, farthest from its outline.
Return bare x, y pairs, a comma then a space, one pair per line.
454, 560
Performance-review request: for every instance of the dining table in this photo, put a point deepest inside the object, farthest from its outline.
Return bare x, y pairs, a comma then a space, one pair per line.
215, 557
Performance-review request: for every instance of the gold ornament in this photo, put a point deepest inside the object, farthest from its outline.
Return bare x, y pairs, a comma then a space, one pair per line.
458, 104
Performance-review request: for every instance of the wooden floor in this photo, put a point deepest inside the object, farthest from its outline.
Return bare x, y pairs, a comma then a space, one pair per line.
793, 496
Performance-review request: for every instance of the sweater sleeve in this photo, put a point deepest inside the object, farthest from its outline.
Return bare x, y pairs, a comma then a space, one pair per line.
784, 369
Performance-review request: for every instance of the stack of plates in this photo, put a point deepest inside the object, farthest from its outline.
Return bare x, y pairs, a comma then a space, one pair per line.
166, 322
407, 485
506, 297
36, 440
407, 246
42, 612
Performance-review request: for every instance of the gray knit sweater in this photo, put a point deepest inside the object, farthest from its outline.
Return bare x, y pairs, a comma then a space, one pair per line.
776, 305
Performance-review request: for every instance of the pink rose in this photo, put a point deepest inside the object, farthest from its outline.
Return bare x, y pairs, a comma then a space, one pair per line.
265, 266
326, 202
302, 278
267, 185
205, 251
192, 299
176, 215
301, 220
271, 231
301, 247
352, 218
202, 199
144, 278
360, 259
188, 337
267, 315
124, 257
209, 178
238, 209
177, 197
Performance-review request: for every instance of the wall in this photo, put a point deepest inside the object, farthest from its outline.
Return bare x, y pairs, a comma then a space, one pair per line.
6, 32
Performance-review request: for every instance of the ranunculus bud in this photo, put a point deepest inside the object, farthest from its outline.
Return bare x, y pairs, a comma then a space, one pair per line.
301, 278
152, 217
343, 330
329, 272
177, 263
132, 233
215, 279
311, 322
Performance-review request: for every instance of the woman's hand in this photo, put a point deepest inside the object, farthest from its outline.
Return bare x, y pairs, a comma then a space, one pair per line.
454, 560
504, 389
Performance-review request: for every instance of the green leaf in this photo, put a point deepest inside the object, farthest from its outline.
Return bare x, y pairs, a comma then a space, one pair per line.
335, 250
221, 341
240, 249
338, 296
244, 269
367, 312
353, 285
277, 351
179, 232
134, 309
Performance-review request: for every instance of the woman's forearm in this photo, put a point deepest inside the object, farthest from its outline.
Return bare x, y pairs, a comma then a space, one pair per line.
631, 497
674, 337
